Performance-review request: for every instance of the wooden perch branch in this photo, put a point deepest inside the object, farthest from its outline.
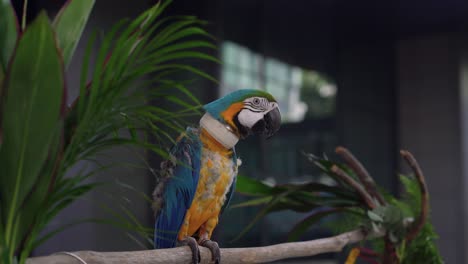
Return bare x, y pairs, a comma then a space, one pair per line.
228, 255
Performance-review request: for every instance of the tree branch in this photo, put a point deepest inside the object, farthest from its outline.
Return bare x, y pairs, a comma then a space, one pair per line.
421, 220
355, 185
361, 172
228, 255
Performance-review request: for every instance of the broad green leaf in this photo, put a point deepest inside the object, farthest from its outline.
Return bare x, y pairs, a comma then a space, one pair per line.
301, 227
313, 188
36, 198
2, 78
291, 202
9, 32
318, 200
249, 186
296, 197
31, 114
69, 25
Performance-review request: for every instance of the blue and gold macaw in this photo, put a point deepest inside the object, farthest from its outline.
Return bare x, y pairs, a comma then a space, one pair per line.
198, 180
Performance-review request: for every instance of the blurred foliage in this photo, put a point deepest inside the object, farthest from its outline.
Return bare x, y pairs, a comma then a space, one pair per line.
320, 94
422, 249
345, 209
41, 139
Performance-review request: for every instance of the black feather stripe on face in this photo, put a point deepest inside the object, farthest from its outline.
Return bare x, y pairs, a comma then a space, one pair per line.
252, 109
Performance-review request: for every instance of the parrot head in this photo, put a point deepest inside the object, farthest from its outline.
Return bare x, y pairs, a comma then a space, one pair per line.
247, 111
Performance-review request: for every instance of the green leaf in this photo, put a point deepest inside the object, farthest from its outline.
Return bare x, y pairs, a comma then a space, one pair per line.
185, 55
2, 78
374, 217
37, 197
412, 195
9, 32
325, 165
297, 197
249, 186
31, 115
318, 200
314, 187
301, 227
69, 25
253, 202
346, 220
376, 227
423, 248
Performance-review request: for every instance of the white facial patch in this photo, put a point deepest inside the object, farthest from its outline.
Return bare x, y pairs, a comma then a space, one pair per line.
255, 108
248, 118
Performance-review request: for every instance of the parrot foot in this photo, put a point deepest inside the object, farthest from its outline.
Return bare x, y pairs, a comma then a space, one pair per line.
214, 248
192, 243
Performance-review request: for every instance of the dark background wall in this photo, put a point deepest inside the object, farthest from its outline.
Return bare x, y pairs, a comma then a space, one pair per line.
430, 111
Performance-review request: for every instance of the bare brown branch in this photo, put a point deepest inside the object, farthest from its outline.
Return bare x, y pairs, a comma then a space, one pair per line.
419, 223
355, 185
389, 255
361, 172
228, 255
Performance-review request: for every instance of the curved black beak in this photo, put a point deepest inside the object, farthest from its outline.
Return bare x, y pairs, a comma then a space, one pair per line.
270, 123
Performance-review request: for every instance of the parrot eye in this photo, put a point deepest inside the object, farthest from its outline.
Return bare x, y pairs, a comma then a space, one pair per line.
256, 101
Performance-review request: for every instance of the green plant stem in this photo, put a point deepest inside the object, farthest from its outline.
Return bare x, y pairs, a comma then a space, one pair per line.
23, 19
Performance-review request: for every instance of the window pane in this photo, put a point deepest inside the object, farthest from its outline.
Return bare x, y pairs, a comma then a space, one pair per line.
300, 93
229, 53
276, 70
245, 58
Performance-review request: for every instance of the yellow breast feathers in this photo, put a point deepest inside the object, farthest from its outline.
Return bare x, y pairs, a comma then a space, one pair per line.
216, 176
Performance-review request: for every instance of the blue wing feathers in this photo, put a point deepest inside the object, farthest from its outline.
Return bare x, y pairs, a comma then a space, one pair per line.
179, 190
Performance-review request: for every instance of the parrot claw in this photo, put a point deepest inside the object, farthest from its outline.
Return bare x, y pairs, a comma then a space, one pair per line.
214, 248
192, 243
